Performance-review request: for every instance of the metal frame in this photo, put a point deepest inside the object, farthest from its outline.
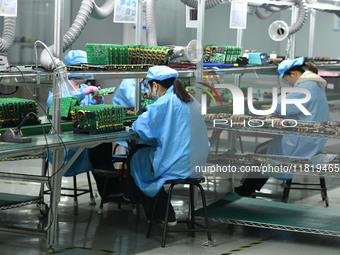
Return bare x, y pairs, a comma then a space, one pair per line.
8, 150
277, 227
271, 131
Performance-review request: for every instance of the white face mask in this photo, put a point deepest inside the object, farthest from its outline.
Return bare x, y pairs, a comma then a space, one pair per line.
155, 96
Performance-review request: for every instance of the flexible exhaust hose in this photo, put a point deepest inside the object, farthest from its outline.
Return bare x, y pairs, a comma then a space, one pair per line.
302, 16
87, 7
104, 11
151, 31
8, 35
263, 13
209, 3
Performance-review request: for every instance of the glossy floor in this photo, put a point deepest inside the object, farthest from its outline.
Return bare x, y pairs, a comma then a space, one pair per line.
119, 231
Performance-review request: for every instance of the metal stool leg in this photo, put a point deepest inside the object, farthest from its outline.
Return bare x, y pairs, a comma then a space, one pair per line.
205, 211
152, 216
285, 195
100, 210
192, 210
324, 190
75, 195
166, 215
92, 201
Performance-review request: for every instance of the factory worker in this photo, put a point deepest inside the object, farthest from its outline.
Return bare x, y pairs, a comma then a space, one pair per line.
299, 74
77, 80
173, 141
99, 157
125, 93
125, 96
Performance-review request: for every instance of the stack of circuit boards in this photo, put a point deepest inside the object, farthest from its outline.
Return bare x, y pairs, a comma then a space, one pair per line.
14, 110
136, 55
95, 119
224, 54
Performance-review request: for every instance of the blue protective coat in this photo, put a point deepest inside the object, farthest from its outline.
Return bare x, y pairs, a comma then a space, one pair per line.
317, 106
125, 93
179, 143
82, 163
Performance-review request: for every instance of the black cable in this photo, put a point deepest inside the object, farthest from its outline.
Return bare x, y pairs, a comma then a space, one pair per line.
8, 94
65, 149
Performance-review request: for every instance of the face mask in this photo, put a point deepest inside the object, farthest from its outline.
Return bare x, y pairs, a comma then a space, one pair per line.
155, 96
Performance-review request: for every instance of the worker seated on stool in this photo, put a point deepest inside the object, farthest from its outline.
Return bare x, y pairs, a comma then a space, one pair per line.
300, 74
173, 141
94, 158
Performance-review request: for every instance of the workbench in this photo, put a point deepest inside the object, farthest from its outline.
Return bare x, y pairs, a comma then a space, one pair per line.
40, 145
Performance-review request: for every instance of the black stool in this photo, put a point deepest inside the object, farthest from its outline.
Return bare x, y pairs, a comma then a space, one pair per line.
191, 222
107, 175
76, 191
303, 186
120, 158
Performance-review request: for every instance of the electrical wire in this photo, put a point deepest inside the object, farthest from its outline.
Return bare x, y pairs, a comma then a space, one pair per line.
16, 89
65, 149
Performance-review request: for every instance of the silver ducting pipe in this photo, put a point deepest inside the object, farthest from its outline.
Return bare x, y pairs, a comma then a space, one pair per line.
86, 9
151, 30
301, 17
263, 13
7, 39
209, 3
105, 10
279, 30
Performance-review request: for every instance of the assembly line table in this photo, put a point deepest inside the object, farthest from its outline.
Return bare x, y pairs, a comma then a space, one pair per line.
260, 213
41, 144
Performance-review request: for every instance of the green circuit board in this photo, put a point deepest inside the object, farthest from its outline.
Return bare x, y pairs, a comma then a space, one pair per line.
94, 119
14, 110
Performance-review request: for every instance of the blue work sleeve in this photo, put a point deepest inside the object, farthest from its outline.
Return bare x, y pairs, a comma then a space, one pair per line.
149, 125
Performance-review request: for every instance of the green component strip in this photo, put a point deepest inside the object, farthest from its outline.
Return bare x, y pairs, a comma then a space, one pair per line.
66, 104
106, 91
234, 207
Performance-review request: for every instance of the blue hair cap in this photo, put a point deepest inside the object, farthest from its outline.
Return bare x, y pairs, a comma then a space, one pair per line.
161, 73
285, 65
74, 57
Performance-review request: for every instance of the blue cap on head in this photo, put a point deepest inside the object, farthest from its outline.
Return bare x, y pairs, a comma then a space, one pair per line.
161, 73
285, 65
74, 57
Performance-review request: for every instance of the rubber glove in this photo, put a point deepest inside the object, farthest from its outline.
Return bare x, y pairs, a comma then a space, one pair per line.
91, 89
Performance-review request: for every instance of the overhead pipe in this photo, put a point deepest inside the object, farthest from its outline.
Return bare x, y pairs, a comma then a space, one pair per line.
208, 3
150, 17
279, 30
7, 39
88, 8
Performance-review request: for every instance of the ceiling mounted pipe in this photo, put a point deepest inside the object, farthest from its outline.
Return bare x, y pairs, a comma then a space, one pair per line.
150, 18
208, 3
88, 8
8, 35
279, 30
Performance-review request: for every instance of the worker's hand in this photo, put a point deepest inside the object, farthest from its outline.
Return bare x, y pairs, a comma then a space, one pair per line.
91, 89
98, 99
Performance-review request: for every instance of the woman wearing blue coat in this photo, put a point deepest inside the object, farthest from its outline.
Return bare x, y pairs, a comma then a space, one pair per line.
99, 157
174, 138
125, 93
300, 74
